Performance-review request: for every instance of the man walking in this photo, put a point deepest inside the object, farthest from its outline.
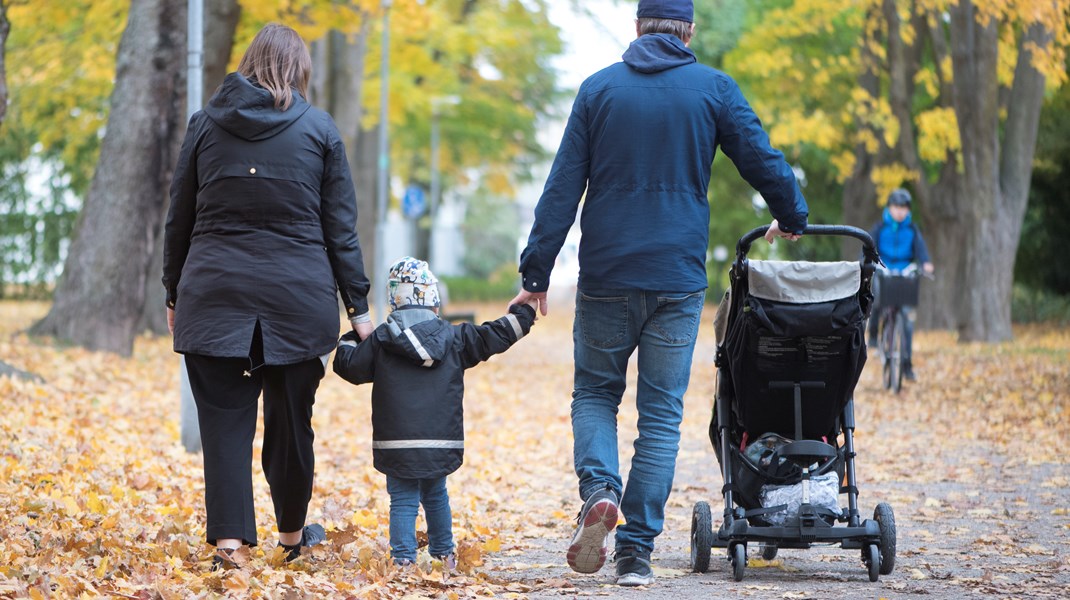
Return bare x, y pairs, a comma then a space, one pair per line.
641, 140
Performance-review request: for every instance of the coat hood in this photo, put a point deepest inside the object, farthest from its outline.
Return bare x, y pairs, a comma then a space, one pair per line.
656, 52
248, 111
417, 334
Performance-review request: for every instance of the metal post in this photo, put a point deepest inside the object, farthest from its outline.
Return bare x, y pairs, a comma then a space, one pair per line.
436, 192
433, 204
381, 264
194, 56
190, 429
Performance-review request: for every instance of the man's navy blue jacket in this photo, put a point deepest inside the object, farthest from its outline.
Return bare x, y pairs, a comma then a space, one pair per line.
641, 140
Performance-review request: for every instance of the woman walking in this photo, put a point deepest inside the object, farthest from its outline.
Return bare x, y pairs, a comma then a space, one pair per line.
260, 236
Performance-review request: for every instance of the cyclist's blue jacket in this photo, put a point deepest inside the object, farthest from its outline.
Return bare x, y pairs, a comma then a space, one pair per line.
641, 140
899, 244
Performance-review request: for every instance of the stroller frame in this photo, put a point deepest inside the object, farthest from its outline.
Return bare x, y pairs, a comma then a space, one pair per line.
874, 537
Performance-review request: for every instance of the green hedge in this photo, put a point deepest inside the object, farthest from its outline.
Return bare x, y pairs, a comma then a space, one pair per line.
503, 284
1029, 305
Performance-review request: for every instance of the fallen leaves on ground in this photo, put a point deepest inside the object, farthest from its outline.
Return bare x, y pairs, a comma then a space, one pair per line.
98, 498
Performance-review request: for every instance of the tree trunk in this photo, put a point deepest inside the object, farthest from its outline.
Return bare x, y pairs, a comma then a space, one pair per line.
984, 301
347, 79
938, 206
99, 301
946, 239
999, 187
859, 192
336, 86
364, 162
220, 23
5, 27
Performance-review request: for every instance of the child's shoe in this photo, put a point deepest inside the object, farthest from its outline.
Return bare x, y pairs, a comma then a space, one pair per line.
449, 562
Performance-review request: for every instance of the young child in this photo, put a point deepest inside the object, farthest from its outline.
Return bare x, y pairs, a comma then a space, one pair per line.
417, 361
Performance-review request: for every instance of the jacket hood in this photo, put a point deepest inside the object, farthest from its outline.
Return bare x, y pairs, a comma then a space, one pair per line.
248, 111
417, 334
895, 225
656, 52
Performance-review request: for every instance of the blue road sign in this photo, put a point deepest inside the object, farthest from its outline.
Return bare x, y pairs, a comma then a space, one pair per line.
413, 203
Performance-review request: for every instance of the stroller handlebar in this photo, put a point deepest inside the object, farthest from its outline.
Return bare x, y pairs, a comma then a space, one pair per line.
869, 249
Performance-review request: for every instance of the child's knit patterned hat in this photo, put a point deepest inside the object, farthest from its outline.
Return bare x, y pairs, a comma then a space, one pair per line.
411, 282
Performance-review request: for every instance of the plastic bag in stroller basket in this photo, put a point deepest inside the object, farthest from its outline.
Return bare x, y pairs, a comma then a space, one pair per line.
758, 468
824, 493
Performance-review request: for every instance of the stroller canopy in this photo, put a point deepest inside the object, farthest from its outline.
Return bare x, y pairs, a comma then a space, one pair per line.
803, 282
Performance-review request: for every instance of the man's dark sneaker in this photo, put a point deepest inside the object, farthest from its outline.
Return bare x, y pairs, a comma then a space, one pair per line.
590, 544
633, 567
908, 373
310, 536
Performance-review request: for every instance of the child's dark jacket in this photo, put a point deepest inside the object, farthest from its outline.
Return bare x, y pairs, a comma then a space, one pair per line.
417, 362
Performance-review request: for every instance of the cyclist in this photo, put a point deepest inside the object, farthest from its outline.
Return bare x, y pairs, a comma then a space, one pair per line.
900, 243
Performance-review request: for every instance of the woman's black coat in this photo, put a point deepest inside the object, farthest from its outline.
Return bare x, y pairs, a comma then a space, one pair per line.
262, 227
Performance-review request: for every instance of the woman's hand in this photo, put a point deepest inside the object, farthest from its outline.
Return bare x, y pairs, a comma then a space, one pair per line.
171, 320
363, 329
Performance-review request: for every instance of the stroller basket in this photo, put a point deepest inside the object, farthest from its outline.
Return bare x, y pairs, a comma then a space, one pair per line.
790, 350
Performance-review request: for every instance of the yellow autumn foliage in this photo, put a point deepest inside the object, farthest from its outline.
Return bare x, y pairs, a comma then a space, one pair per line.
784, 64
888, 177
61, 65
938, 134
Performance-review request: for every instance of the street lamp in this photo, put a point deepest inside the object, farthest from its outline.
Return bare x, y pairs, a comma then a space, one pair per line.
379, 292
436, 191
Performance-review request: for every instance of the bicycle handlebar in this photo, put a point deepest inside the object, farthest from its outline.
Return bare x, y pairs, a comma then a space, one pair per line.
911, 270
869, 249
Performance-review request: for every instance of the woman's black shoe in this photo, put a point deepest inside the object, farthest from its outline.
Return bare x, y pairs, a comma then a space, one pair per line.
224, 559
310, 536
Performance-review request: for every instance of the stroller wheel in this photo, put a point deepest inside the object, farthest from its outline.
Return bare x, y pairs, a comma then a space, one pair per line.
769, 551
873, 561
886, 519
701, 537
738, 558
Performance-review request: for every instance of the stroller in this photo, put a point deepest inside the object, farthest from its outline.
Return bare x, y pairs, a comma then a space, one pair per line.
790, 349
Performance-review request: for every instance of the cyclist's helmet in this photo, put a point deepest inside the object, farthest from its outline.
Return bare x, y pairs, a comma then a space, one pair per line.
899, 197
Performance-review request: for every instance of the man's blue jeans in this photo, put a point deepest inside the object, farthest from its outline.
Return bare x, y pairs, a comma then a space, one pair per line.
610, 325
406, 496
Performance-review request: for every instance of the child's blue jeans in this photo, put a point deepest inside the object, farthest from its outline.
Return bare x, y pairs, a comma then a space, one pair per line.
406, 496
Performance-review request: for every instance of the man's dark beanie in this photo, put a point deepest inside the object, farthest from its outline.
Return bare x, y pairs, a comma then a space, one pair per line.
677, 10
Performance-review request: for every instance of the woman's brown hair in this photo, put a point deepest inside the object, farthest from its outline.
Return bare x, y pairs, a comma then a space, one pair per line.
278, 60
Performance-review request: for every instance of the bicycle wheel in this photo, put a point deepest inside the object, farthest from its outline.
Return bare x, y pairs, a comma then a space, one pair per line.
895, 363
885, 330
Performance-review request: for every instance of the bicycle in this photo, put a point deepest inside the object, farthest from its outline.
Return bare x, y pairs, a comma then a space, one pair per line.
897, 292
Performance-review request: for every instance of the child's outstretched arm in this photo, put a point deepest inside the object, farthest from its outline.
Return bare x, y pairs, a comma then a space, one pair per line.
493, 337
354, 360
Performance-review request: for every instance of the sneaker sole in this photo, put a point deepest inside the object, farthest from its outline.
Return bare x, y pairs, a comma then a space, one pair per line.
631, 579
589, 548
